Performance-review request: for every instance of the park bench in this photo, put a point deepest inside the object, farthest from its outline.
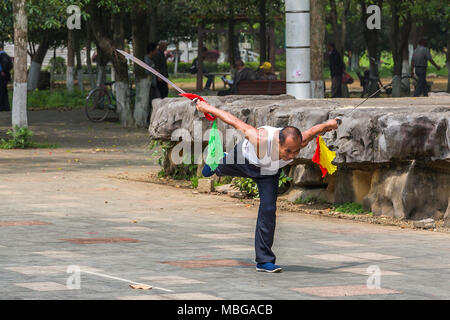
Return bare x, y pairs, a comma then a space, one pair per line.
261, 87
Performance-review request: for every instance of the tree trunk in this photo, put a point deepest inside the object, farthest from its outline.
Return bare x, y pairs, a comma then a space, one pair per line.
231, 44
70, 60
200, 58
36, 63
223, 48
344, 26
52, 70
120, 65
101, 62
19, 108
272, 45
399, 43
317, 19
143, 81
371, 39
77, 50
88, 59
406, 90
354, 61
262, 32
175, 60
108, 45
334, 23
153, 25
447, 55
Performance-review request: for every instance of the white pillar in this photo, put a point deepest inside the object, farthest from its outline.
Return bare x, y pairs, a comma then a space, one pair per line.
298, 69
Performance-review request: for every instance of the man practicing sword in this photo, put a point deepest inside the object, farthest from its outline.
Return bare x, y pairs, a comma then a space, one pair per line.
261, 156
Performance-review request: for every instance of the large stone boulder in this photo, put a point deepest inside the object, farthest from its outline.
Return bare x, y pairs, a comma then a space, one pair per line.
415, 191
392, 154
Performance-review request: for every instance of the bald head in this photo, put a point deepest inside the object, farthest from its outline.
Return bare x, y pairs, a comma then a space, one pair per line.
290, 133
290, 141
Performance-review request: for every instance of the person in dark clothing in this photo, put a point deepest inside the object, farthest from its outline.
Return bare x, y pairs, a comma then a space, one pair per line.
419, 63
264, 72
194, 70
160, 61
5, 77
152, 51
336, 71
242, 73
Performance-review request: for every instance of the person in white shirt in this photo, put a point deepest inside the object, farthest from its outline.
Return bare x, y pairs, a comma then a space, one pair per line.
261, 156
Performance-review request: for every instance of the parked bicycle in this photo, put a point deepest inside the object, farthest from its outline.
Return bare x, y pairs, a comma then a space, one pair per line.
372, 86
101, 102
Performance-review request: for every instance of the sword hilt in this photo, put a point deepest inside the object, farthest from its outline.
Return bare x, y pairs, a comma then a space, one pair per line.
194, 104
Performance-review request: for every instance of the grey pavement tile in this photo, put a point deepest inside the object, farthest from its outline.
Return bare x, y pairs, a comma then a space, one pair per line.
313, 253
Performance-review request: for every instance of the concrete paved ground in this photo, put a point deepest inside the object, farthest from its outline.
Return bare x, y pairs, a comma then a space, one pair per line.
64, 208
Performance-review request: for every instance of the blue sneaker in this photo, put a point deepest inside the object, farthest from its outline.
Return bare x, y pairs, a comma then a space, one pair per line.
207, 172
268, 267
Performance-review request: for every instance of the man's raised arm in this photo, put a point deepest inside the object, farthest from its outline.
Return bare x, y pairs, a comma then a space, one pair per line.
311, 133
251, 133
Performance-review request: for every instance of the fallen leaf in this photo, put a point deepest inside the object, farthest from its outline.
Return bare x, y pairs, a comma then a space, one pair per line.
140, 286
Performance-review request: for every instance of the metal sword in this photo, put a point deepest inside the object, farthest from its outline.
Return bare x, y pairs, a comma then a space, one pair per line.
147, 67
139, 62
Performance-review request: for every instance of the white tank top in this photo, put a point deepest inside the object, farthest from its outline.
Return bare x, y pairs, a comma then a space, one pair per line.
269, 163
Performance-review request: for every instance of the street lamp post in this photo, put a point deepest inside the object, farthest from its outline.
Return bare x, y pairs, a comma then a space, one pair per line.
298, 70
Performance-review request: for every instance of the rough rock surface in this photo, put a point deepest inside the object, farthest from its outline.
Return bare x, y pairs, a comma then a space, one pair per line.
425, 223
205, 185
393, 154
307, 175
397, 130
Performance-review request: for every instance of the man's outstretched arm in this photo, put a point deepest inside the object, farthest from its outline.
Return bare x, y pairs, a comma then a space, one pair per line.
310, 134
255, 136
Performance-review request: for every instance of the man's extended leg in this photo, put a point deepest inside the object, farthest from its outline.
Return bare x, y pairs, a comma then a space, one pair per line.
266, 222
233, 164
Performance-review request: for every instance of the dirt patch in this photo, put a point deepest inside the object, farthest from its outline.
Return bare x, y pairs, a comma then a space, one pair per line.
285, 207
152, 177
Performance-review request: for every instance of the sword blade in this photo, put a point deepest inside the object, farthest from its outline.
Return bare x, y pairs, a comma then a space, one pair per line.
147, 67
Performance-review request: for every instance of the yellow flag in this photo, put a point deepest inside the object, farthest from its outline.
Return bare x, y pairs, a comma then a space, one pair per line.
324, 156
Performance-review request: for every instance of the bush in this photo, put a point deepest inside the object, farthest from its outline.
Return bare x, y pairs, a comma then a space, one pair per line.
21, 139
309, 200
247, 185
350, 208
58, 64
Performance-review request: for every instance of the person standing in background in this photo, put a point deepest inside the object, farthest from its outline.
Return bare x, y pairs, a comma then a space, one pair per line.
5, 77
336, 71
419, 63
152, 51
160, 61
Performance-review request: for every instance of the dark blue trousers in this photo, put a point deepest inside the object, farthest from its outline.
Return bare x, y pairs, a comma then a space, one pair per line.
268, 192
421, 86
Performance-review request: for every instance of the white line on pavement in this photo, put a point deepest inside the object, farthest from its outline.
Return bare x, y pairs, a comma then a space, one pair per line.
124, 280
